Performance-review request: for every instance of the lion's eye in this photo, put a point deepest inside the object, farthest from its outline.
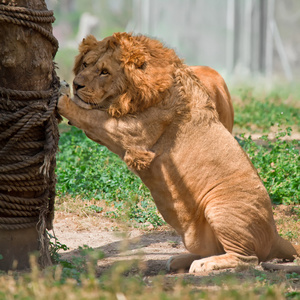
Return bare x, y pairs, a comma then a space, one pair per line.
84, 64
104, 72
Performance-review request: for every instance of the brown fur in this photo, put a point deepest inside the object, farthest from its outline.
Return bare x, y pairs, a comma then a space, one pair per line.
218, 92
152, 110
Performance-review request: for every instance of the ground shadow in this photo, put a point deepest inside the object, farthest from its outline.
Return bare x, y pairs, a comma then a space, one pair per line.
140, 254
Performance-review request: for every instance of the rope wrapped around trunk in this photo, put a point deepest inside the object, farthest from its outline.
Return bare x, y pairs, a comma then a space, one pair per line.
28, 140
28, 145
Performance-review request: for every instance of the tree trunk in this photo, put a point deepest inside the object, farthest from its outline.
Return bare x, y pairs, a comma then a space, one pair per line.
28, 131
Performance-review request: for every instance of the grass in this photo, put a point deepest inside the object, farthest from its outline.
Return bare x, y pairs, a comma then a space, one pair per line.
93, 172
258, 110
80, 281
278, 164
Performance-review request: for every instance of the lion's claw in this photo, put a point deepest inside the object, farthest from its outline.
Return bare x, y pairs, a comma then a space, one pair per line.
64, 88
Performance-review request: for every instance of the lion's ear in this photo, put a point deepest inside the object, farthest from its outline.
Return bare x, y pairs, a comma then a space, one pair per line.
86, 45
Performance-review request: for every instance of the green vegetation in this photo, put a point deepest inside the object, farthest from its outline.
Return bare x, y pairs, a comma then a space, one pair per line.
257, 110
278, 163
80, 280
87, 169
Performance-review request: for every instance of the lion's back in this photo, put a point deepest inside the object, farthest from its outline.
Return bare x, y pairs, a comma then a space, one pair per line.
219, 93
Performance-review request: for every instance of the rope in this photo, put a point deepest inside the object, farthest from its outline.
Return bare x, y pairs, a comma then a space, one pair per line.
23, 173
25, 95
27, 11
28, 140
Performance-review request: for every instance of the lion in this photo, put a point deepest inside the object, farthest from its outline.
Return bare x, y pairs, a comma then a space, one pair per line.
137, 97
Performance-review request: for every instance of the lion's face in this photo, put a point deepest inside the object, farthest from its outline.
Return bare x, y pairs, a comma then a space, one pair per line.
122, 73
97, 75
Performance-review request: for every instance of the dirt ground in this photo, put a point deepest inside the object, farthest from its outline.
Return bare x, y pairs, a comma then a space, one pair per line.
151, 247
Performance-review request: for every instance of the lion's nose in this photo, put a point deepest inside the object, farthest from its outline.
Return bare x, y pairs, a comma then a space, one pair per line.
77, 86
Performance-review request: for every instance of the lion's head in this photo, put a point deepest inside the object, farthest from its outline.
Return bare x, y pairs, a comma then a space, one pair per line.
122, 73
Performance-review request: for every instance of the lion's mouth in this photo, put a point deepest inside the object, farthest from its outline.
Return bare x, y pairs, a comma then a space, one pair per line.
90, 105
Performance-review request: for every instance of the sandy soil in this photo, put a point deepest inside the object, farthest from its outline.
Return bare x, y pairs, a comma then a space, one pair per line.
151, 247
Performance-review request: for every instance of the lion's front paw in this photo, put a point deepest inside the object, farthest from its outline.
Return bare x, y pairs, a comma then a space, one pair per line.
63, 104
63, 107
64, 91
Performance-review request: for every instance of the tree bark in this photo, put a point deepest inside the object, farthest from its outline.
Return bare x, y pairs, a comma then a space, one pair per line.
26, 58
26, 64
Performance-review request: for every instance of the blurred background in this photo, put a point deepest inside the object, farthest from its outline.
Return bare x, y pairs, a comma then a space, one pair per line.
242, 39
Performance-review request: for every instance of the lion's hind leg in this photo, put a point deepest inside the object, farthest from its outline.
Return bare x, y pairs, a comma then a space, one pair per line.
224, 261
181, 262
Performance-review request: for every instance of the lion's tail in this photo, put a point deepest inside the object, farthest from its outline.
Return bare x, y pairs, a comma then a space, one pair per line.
284, 249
